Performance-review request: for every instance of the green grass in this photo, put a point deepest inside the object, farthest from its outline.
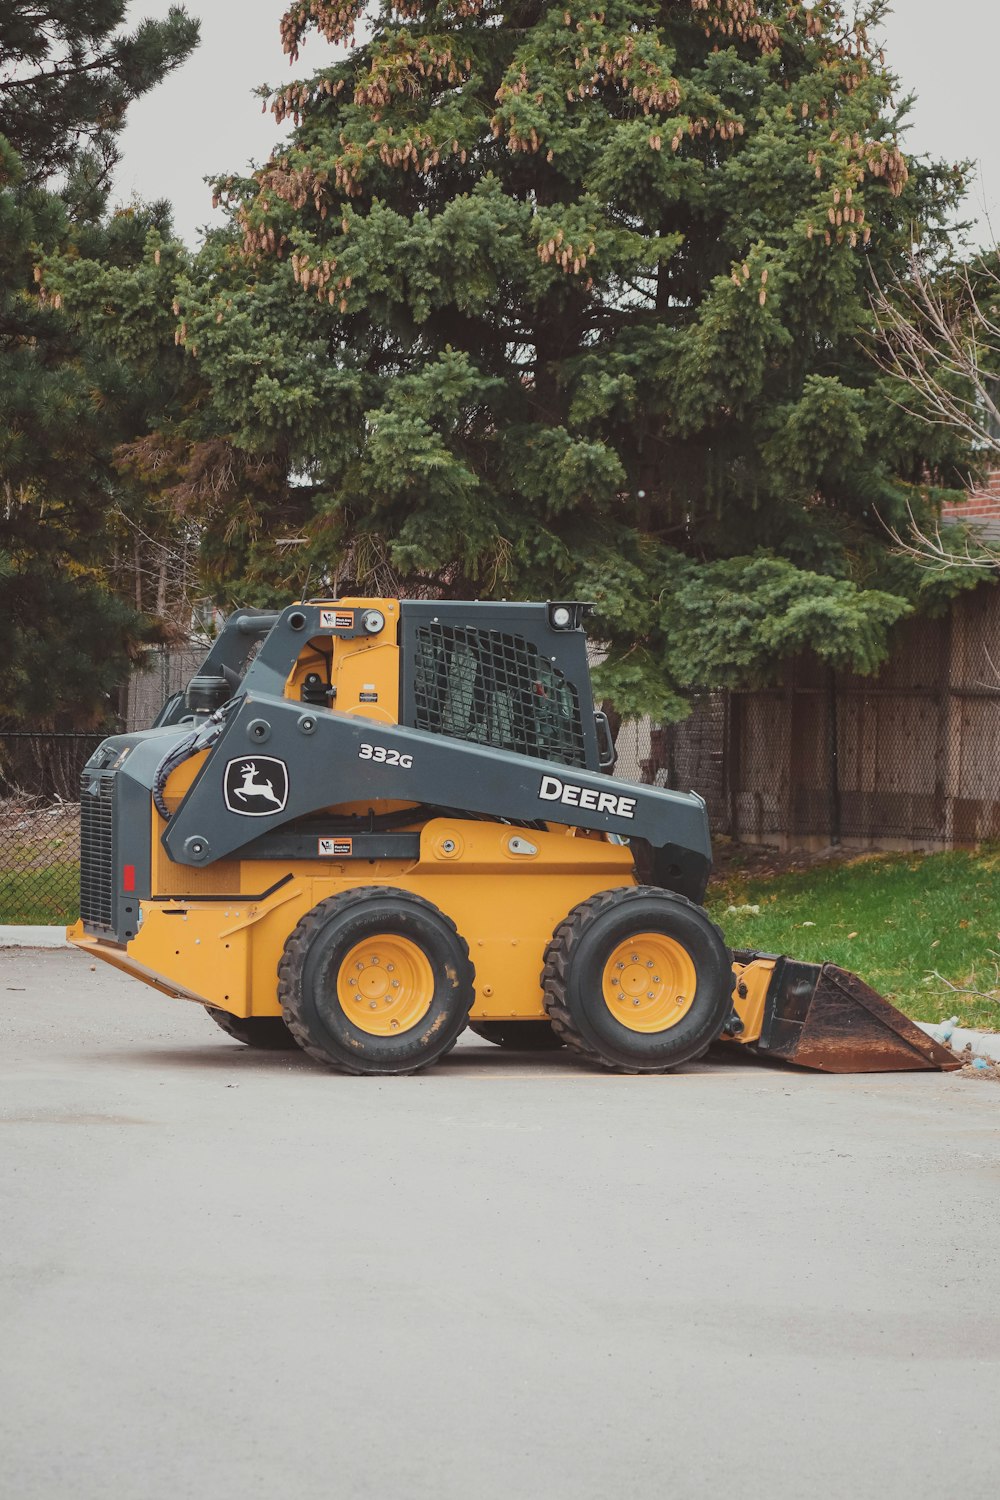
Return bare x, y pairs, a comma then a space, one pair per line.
892, 919
47, 896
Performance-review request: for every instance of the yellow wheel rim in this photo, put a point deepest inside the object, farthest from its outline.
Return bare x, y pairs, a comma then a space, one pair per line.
649, 982
385, 984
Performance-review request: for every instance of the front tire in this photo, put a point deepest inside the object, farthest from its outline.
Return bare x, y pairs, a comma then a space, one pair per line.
638, 979
376, 980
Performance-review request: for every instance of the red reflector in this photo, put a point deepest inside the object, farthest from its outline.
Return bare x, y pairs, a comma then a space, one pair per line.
128, 878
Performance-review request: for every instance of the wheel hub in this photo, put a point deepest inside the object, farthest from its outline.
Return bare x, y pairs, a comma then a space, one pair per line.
649, 982
385, 985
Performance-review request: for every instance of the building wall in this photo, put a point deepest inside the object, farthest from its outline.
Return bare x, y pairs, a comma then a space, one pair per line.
980, 509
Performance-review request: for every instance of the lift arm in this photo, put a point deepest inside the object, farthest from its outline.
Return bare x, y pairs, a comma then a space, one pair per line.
316, 759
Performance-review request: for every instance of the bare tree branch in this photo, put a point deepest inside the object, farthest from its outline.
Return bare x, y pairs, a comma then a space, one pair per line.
928, 546
965, 989
942, 340
938, 336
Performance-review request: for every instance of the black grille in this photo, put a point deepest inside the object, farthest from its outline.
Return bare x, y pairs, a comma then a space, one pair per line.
495, 689
96, 855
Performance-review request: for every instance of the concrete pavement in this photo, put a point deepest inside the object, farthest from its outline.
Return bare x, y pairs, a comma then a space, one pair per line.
226, 1273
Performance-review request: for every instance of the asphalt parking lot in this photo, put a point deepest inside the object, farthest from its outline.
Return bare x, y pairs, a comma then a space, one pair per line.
230, 1273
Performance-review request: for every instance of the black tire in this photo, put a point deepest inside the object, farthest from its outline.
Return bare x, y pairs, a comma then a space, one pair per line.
582, 946
312, 967
521, 1036
268, 1033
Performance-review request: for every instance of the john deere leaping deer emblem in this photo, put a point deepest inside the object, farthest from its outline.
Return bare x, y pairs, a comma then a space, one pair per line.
256, 786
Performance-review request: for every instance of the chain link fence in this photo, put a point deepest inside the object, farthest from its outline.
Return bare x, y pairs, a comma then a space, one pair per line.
40, 790
39, 825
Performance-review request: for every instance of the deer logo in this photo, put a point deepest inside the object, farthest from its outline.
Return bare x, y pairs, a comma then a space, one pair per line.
256, 787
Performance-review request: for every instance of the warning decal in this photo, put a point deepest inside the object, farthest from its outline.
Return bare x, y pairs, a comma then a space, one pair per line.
335, 848
332, 619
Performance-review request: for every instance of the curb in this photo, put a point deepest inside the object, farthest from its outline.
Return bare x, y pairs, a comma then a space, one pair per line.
981, 1043
33, 937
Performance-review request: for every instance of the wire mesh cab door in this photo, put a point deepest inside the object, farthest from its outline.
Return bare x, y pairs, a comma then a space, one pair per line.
503, 675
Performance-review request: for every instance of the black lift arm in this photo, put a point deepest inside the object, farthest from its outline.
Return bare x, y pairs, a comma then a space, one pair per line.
325, 759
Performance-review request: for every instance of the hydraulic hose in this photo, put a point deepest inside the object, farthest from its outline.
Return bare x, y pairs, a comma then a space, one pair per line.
198, 739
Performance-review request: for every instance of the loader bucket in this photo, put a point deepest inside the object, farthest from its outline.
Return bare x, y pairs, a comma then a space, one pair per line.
820, 1016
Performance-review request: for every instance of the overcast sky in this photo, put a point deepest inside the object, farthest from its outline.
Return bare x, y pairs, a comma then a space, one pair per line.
203, 119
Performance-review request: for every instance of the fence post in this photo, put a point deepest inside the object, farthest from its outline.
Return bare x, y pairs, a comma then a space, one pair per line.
945, 751
734, 720
831, 688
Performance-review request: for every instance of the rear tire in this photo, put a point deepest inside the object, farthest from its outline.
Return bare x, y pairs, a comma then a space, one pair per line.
376, 980
521, 1036
267, 1033
638, 979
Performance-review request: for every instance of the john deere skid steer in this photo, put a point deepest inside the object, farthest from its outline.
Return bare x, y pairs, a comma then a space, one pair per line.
370, 823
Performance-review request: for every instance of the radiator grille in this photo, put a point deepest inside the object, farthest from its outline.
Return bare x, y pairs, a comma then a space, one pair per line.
495, 689
96, 855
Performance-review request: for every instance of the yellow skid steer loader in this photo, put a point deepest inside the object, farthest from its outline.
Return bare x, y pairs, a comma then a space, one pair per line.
370, 823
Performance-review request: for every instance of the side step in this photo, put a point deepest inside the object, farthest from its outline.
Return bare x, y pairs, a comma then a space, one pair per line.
821, 1016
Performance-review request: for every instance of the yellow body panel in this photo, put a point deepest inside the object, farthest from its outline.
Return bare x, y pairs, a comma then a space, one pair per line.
750, 996
505, 904
364, 671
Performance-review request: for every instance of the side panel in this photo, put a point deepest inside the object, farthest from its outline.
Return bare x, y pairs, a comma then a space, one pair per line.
367, 681
505, 904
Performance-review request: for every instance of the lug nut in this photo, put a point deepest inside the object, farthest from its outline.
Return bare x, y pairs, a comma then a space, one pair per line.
635, 1002
649, 963
649, 994
373, 1004
390, 967
395, 984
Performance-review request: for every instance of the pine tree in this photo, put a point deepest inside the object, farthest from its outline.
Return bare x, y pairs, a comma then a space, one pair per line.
68, 74
558, 300
66, 77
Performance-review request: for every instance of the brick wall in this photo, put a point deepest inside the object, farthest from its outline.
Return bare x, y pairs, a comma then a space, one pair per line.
981, 507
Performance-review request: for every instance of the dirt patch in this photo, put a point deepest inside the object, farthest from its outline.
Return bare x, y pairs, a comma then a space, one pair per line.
978, 1067
760, 862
